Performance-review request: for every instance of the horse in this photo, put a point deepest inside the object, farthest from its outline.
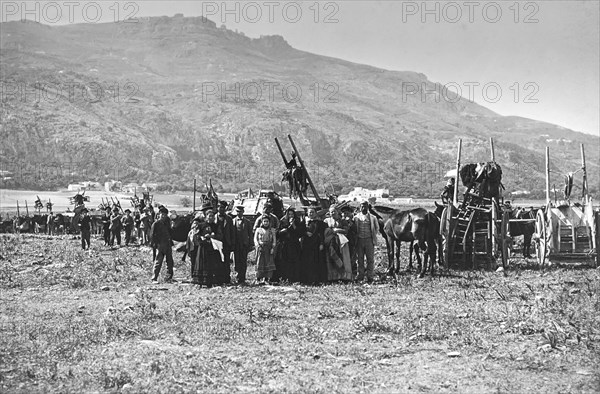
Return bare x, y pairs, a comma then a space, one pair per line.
415, 225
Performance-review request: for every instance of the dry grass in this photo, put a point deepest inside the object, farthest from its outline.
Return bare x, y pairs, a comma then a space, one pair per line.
536, 331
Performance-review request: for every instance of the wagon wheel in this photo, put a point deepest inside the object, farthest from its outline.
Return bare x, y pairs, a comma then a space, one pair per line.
541, 231
505, 239
445, 234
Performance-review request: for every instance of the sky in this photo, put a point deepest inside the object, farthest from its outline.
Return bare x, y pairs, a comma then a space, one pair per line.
535, 59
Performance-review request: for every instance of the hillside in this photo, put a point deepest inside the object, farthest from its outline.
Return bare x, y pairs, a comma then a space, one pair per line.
142, 102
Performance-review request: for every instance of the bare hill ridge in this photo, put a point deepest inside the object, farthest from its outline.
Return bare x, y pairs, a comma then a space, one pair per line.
167, 99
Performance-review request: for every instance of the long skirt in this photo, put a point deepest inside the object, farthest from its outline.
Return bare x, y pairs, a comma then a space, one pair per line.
206, 265
265, 263
312, 265
338, 260
288, 259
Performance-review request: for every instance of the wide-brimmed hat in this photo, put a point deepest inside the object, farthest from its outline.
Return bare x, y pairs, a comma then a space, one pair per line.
239, 208
84, 210
206, 205
164, 210
127, 211
223, 204
116, 209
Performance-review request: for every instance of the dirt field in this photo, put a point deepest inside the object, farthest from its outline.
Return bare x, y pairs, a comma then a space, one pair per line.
75, 321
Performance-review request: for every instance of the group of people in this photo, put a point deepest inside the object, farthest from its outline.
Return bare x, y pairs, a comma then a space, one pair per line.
295, 248
136, 227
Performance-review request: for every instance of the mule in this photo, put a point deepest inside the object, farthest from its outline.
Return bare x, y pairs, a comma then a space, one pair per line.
523, 228
415, 225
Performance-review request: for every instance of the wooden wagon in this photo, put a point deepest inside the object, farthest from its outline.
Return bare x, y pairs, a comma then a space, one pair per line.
475, 230
568, 230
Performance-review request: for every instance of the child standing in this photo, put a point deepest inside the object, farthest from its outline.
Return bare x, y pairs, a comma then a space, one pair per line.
264, 241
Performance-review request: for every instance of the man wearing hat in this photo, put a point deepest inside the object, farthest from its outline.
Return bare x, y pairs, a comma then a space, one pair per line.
84, 225
242, 241
448, 192
268, 212
225, 225
128, 223
366, 227
115, 227
161, 240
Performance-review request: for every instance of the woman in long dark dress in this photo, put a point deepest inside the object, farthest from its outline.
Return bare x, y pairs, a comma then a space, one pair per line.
208, 260
312, 263
287, 260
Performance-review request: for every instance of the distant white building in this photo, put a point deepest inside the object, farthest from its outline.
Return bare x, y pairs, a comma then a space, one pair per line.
131, 188
112, 186
75, 187
360, 193
89, 185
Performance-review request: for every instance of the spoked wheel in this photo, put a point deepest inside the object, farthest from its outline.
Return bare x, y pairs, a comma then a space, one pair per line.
505, 239
541, 231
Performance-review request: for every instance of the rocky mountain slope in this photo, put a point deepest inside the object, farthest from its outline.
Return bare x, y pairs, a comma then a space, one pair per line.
169, 99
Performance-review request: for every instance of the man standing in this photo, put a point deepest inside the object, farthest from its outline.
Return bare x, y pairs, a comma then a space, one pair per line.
448, 193
106, 226
225, 225
267, 212
366, 230
115, 227
161, 240
85, 228
50, 223
128, 225
145, 224
243, 238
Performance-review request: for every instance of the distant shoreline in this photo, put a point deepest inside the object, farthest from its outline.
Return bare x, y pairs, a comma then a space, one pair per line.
61, 200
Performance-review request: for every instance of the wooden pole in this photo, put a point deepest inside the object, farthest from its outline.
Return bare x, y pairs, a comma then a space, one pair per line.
281, 152
18, 210
27, 208
547, 175
194, 203
585, 184
493, 153
455, 196
312, 186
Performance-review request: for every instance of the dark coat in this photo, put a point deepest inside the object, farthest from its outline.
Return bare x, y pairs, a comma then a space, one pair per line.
226, 229
161, 235
243, 232
85, 224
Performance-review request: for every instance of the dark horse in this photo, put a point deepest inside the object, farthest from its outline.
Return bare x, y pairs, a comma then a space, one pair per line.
415, 225
180, 227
